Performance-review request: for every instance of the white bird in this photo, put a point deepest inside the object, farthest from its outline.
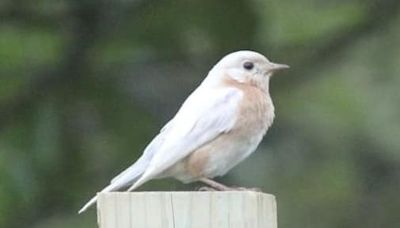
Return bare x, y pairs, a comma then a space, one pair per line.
220, 124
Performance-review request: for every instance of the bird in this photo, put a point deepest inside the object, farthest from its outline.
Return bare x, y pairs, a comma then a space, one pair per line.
220, 124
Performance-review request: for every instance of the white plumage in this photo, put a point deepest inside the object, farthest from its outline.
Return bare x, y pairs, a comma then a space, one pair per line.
222, 114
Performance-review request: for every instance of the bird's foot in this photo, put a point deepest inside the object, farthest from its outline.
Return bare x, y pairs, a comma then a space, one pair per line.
206, 189
210, 189
245, 189
220, 187
215, 185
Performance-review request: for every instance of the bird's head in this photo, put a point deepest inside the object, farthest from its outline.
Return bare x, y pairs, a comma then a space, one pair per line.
247, 67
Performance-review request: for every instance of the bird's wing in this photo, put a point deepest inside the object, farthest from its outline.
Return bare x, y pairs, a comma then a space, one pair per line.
206, 114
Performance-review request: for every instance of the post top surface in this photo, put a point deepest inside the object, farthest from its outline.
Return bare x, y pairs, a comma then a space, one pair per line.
189, 193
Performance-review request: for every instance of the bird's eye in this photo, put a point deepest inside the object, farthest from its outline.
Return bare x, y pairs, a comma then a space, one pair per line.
248, 65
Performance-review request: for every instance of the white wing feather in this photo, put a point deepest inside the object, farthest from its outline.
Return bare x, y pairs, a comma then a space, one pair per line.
203, 116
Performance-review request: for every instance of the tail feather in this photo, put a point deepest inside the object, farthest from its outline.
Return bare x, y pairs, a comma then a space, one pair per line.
109, 188
88, 204
129, 176
133, 173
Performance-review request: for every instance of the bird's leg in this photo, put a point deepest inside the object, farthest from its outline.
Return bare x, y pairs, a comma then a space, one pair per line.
215, 185
220, 187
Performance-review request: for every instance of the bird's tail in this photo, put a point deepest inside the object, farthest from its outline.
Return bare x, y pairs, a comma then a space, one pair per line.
126, 178
93, 200
133, 174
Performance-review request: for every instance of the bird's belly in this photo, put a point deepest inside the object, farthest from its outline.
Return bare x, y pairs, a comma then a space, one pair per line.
217, 157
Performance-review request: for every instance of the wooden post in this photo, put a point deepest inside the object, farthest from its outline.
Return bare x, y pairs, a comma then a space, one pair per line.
187, 210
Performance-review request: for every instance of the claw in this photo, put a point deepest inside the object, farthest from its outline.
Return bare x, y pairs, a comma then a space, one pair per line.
206, 189
246, 189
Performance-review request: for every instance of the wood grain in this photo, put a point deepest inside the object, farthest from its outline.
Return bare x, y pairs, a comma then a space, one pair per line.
236, 209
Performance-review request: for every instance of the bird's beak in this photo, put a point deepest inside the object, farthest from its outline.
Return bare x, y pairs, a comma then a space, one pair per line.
277, 67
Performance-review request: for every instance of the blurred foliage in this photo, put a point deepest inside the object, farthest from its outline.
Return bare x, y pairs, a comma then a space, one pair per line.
86, 84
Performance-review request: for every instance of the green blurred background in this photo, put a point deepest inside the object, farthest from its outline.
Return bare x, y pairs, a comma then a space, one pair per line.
85, 85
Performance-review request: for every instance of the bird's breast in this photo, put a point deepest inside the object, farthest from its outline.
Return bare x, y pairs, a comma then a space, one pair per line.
255, 112
254, 115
